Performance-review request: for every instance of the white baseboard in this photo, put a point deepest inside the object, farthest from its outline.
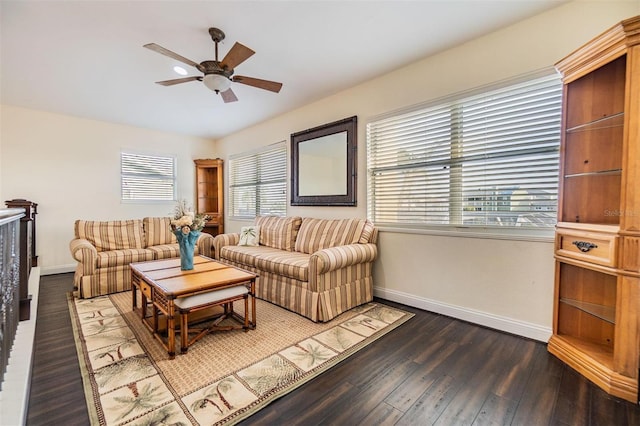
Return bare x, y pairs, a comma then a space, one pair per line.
509, 325
14, 397
61, 269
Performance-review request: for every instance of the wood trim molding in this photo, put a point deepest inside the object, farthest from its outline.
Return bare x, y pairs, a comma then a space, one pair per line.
602, 49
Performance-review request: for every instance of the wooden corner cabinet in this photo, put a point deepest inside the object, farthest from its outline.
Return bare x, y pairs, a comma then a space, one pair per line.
597, 245
210, 194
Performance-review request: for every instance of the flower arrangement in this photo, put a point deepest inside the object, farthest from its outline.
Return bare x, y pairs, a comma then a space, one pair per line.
185, 220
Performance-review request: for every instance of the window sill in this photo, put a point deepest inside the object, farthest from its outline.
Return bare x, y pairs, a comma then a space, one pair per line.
531, 235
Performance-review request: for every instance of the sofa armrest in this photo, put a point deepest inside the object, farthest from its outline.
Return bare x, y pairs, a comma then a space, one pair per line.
85, 253
221, 240
205, 244
334, 258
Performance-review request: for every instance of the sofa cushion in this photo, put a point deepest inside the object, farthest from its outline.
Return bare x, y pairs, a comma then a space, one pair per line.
158, 231
112, 258
111, 235
165, 251
289, 264
168, 251
318, 234
278, 232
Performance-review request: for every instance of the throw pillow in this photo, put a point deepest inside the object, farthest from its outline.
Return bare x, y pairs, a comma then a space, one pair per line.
278, 232
318, 234
249, 236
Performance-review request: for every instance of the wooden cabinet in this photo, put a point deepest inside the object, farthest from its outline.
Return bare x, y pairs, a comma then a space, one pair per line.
597, 245
210, 194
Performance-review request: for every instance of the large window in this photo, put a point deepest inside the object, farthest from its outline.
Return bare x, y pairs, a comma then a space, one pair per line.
483, 160
147, 177
258, 183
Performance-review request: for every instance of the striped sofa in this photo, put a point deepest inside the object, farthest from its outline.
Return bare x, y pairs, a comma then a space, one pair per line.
318, 268
104, 250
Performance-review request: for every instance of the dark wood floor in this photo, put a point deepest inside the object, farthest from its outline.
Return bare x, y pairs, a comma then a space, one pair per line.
432, 370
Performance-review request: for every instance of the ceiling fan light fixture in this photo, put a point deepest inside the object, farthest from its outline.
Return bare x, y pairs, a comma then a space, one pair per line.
216, 82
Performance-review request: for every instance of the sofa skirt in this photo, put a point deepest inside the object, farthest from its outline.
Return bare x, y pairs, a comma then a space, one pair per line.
296, 296
104, 281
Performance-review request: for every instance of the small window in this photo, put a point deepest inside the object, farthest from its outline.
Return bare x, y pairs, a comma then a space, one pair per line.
258, 183
147, 177
488, 160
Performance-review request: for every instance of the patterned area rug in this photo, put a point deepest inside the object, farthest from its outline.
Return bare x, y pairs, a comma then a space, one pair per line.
224, 377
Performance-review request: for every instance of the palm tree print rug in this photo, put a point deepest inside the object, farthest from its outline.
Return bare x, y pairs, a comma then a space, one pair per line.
224, 377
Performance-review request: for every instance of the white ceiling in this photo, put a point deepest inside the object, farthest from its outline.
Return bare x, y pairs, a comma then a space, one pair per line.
85, 58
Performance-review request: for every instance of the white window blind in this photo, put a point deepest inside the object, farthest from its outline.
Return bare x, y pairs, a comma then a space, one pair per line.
147, 178
484, 160
258, 183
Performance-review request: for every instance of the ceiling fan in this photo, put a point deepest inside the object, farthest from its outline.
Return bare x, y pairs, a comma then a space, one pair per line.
218, 75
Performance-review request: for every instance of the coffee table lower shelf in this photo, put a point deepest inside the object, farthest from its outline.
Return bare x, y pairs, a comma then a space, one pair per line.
201, 322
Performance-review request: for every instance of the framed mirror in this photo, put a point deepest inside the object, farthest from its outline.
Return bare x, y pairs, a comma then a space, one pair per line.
324, 165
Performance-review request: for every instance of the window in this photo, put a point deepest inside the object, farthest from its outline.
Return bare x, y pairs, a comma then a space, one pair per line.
147, 178
258, 182
487, 160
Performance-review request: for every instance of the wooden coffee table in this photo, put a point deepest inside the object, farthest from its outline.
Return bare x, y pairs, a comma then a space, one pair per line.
161, 282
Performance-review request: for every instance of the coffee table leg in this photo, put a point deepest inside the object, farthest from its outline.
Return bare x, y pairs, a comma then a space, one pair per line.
171, 330
134, 293
184, 332
253, 302
246, 312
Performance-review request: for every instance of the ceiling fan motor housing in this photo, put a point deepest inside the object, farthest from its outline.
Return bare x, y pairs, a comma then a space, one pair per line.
214, 67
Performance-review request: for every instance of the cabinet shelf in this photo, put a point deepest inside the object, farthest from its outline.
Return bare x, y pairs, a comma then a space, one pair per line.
597, 150
606, 313
614, 120
602, 354
602, 172
591, 198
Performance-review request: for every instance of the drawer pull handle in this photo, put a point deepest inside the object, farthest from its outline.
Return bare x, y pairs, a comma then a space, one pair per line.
584, 246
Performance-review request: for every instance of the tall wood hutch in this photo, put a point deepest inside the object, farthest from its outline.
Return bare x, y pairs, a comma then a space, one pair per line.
597, 245
210, 194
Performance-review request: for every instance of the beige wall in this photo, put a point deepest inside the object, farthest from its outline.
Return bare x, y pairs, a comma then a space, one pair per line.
71, 168
505, 284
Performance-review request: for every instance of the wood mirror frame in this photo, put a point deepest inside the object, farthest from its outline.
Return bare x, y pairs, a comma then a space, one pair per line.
312, 181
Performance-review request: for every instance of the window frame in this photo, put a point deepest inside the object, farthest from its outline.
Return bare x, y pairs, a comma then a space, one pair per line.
173, 179
460, 229
258, 155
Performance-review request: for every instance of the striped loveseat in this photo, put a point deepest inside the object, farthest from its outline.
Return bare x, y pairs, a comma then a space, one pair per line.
104, 250
318, 268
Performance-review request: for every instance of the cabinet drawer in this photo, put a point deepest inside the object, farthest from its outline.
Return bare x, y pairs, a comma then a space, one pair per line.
145, 289
587, 246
